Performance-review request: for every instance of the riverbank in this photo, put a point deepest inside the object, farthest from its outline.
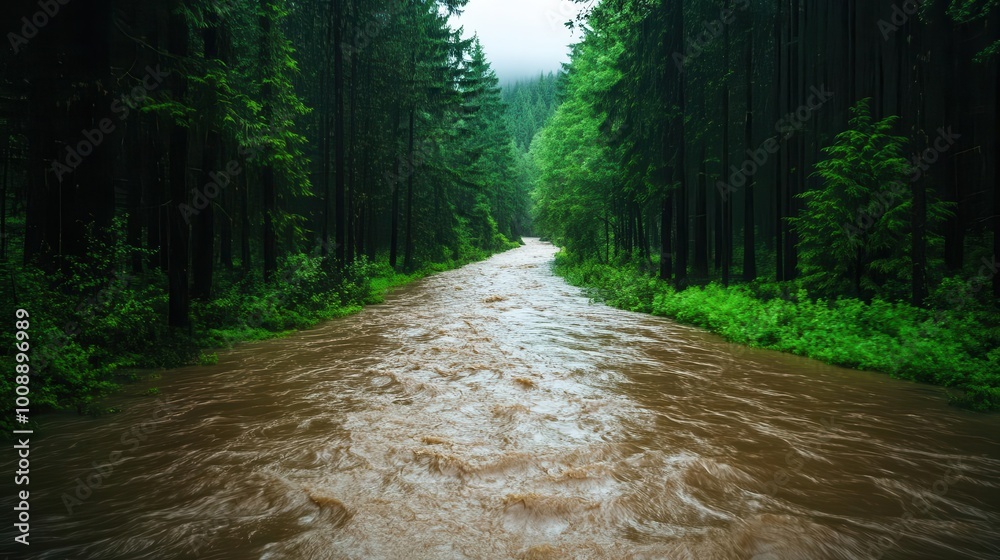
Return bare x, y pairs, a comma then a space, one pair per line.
496, 412
954, 347
86, 343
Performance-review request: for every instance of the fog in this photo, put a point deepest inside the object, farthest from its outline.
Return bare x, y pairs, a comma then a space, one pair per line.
522, 38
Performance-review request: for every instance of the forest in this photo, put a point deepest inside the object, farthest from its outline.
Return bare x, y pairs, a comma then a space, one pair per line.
180, 175
500, 279
813, 177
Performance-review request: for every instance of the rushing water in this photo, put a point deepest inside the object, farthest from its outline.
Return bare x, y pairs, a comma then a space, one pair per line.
495, 412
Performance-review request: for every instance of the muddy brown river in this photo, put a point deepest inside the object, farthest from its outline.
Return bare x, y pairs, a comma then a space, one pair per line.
495, 412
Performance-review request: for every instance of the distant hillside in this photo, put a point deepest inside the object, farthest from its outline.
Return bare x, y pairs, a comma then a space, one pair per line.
530, 103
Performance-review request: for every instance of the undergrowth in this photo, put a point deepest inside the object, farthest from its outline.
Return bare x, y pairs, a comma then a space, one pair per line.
95, 326
954, 343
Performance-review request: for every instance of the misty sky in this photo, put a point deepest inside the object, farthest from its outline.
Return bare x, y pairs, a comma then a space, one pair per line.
522, 38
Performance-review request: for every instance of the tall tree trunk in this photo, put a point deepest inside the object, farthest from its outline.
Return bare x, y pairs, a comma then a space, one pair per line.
177, 268
852, 51
683, 225
918, 217
268, 188
797, 158
996, 183
394, 218
325, 119
226, 230
727, 223
627, 226
792, 155
701, 220
270, 210
340, 211
86, 197
640, 234
204, 223
779, 158
245, 249
40, 154
945, 55
749, 252
607, 237
133, 226
408, 254
919, 241
618, 232
717, 232
3, 202
353, 175
666, 226
154, 145
203, 258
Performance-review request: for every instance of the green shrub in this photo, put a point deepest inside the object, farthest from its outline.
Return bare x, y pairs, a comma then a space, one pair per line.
956, 348
94, 324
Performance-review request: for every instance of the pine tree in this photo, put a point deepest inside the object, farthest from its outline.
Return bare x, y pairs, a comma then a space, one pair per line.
851, 228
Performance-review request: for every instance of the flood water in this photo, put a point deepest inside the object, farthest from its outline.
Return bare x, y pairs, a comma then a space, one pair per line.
496, 412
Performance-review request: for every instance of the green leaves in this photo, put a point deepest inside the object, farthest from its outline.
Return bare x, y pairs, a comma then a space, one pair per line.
577, 175
894, 338
854, 230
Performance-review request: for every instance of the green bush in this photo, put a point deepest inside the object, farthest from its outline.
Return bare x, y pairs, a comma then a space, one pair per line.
953, 347
93, 323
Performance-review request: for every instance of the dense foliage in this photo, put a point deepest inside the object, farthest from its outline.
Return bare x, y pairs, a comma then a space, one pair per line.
530, 104
957, 346
855, 232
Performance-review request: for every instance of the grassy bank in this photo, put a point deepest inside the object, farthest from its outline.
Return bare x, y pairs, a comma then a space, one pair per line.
954, 343
93, 328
